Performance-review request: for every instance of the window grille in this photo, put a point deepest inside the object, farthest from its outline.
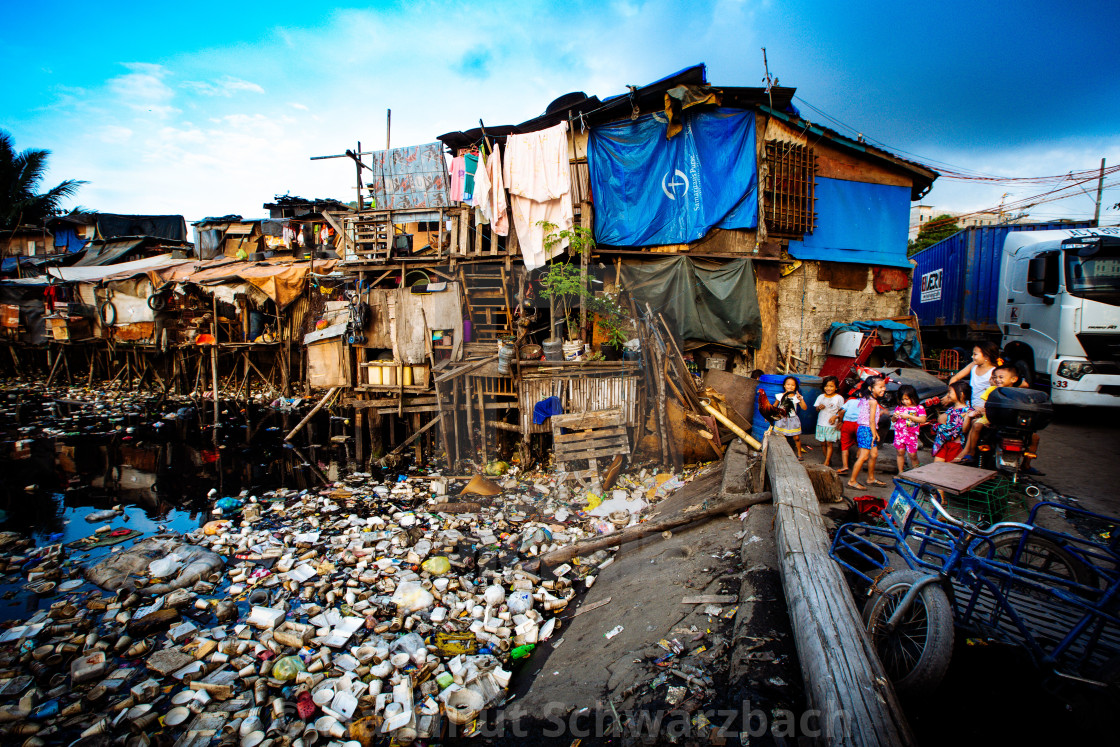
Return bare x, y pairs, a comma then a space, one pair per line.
788, 199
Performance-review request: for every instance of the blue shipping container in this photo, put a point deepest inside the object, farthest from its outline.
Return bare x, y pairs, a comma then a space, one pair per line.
956, 281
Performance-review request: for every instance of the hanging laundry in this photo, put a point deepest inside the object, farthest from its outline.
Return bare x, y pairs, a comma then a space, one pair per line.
289, 236
539, 179
325, 236
458, 172
490, 194
470, 166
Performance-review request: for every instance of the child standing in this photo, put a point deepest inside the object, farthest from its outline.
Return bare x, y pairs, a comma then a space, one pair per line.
848, 427
828, 407
867, 435
953, 422
788, 424
906, 421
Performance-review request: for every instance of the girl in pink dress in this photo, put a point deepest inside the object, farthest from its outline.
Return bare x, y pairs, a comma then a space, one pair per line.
906, 420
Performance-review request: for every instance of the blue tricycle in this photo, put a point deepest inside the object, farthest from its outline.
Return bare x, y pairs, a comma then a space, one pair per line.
1055, 594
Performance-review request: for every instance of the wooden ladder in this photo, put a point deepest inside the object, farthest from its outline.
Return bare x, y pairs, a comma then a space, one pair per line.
373, 235
487, 295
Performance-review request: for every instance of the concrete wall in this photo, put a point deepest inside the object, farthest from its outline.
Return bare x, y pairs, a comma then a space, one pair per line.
807, 306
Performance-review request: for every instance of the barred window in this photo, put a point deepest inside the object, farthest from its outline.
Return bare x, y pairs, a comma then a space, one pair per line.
788, 200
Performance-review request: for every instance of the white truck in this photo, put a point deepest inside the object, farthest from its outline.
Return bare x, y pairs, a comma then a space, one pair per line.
1059, 311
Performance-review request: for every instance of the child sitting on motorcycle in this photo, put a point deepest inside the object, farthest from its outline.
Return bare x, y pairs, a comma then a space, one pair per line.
1004, 375
953, 422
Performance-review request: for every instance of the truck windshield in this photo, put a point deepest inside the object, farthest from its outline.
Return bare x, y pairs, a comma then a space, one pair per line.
1096, 278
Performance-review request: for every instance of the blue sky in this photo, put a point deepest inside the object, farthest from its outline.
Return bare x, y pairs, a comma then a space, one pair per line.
208, 108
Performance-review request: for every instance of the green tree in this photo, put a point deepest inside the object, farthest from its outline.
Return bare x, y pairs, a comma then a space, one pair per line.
934, 230
20, 176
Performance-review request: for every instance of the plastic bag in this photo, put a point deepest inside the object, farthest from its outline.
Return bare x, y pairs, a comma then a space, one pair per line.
165, 566
436, 566
287, 667
520, 602
412, 597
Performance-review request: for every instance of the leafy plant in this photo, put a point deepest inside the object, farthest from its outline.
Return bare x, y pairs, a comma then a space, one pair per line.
612, 319
561, 282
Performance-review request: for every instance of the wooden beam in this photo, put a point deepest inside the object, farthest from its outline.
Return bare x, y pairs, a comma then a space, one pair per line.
308, 416
417, 434
727, 503
844, 680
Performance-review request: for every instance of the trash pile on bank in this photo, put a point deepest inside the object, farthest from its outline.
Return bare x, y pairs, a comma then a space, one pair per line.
367, 610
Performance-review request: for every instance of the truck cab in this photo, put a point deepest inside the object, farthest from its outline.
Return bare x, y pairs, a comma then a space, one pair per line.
1060, 311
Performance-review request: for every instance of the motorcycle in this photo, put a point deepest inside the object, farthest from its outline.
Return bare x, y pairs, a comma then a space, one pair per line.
1015, 415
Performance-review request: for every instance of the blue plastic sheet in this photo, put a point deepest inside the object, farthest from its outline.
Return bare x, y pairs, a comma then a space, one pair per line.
858, 222
650, 190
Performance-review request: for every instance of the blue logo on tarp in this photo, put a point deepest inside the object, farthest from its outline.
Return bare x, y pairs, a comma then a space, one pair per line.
679, 184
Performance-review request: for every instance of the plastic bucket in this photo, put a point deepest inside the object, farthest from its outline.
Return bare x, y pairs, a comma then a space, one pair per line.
553, 350
505, 355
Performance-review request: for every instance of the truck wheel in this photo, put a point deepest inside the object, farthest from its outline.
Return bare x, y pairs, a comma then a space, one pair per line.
916, 654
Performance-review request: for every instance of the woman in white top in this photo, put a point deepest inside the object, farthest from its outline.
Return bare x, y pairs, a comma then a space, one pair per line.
985, 358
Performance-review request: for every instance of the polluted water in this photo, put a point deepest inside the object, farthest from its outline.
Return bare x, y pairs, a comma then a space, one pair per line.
168, 582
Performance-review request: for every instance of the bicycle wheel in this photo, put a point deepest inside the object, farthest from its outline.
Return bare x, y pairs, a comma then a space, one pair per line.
1040, 554
916, 653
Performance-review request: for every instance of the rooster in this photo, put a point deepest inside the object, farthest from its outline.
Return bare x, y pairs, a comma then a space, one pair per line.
766, 408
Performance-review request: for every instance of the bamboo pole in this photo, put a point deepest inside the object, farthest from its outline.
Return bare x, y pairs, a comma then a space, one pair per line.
315, 409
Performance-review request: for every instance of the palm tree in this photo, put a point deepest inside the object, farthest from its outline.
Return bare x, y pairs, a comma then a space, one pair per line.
20, 175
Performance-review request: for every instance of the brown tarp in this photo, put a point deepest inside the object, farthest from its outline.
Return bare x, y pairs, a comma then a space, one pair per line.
282, 280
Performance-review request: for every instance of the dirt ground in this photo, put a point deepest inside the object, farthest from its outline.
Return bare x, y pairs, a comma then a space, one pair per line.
739, 655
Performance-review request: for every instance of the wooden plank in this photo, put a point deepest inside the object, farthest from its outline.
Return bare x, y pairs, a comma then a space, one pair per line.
591, 453
844, 680
584, 420
592, 435
592, 606
956, 478
726, 503
711, 599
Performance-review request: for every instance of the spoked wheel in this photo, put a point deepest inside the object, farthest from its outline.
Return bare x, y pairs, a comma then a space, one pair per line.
1043, 555
916, 653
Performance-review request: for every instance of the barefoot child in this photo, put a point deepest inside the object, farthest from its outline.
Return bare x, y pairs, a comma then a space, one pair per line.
953, 422
906, 421
788, 424
828, 417
867, 435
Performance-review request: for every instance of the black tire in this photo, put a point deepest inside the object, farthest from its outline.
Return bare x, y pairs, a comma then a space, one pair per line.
915, 655
108, 313
157, 302
1040, 554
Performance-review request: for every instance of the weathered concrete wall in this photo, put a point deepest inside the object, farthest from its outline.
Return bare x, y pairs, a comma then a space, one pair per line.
807, 306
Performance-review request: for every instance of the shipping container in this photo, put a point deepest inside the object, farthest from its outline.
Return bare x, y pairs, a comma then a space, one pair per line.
956, 281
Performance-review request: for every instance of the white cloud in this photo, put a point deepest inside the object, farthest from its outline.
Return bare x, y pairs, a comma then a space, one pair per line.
115, 134
143, 89
225, 87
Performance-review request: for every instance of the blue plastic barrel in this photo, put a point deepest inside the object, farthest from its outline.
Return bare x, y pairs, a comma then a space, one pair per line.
772, 386
811, 388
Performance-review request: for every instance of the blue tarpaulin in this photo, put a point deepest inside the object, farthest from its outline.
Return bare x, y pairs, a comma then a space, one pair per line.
858, 222
904, 339
650, 190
